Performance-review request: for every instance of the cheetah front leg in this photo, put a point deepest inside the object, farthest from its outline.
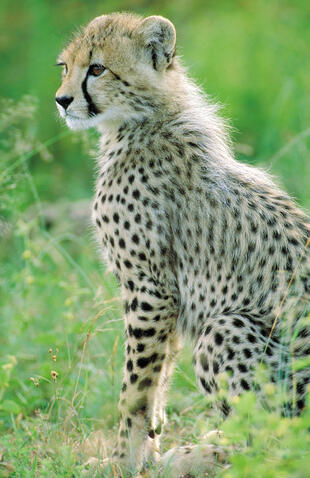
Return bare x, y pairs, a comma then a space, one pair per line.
150, 345
159, 414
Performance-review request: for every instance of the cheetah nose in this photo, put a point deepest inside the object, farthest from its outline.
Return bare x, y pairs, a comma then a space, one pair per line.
64, 101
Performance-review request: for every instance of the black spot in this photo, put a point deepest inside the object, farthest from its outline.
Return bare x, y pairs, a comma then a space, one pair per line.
135, 239
144, 361
129, 365
146, 382
204, 362
137, 332
247, 353
134, 304
149, 332
276, 235
244, 384
293, 241
143, 318
140, 347
146, 306
133, 378
205, 385
242, 368
218, 339
225, 409
208, 330
215, 367
122, 243
231, 353
131, 285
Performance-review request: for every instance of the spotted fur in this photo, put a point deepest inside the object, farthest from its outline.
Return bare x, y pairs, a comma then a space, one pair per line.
204, 247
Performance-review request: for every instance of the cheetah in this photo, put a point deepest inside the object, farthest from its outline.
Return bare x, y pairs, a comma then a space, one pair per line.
204, 247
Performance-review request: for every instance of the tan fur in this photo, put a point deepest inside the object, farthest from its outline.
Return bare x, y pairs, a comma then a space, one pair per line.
204, 247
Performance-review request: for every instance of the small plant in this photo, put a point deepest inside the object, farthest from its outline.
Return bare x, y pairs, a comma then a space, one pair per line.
266, 443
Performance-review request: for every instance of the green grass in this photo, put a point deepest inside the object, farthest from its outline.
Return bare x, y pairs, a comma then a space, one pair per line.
55, 293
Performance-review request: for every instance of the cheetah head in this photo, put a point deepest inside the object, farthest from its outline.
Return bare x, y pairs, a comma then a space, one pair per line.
116, 68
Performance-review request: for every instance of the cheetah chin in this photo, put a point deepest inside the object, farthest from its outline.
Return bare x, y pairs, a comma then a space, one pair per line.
99, 120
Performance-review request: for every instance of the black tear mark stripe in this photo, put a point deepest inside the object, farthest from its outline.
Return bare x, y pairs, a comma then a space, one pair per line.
92, 108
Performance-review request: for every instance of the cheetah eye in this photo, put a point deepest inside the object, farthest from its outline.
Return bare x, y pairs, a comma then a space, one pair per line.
96, 70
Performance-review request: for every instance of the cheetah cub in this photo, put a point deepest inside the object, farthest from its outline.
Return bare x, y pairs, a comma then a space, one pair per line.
204, 247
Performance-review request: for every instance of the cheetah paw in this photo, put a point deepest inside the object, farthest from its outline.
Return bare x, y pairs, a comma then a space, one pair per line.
194, 461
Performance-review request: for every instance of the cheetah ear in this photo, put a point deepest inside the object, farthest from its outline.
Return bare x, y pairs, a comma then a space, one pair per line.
158, 38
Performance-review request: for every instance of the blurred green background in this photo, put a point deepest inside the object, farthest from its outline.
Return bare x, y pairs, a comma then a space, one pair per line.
252, 56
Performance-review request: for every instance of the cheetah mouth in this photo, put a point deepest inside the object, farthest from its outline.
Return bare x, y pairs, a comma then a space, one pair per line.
78, 123
70, 116
74, 117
